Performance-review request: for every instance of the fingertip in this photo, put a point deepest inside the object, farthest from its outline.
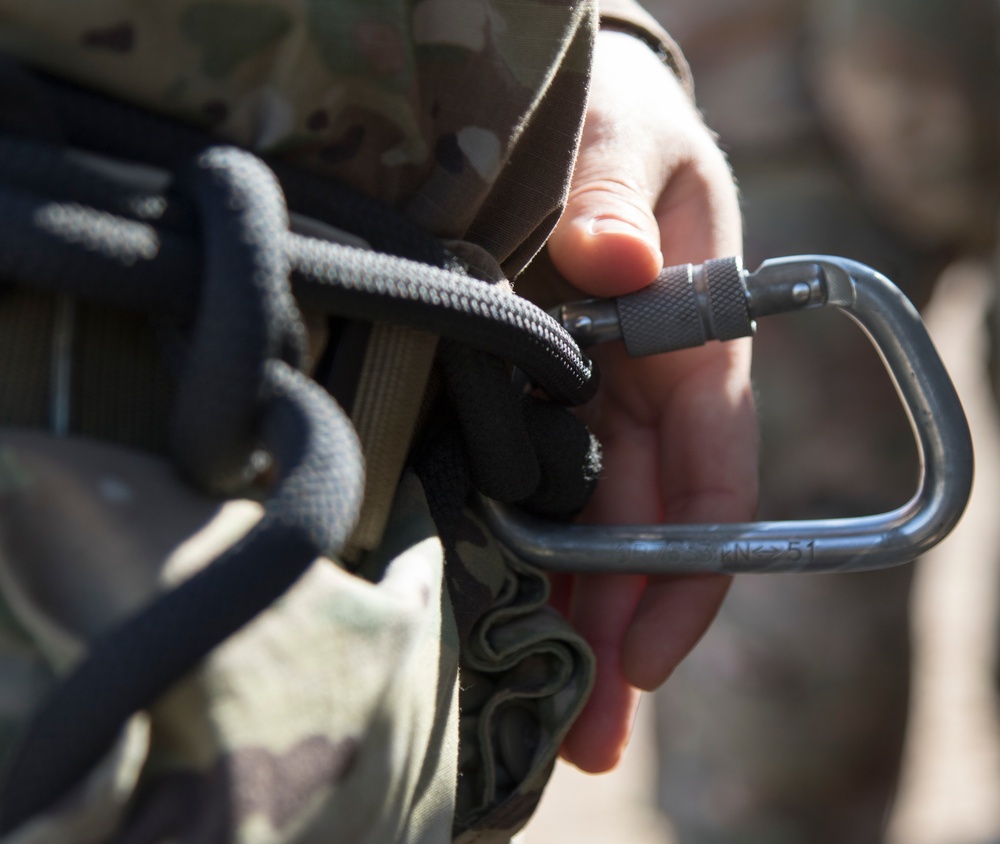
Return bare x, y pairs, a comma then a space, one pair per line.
601, 610
605, 255
648, 675
582, 756
670, 619
598, 739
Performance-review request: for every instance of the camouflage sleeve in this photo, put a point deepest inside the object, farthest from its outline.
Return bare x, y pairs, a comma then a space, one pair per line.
337, 713
423, 105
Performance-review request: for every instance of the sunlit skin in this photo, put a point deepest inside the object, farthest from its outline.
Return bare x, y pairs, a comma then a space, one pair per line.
651, 189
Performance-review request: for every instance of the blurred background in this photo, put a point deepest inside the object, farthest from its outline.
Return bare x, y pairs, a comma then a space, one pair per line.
854, 709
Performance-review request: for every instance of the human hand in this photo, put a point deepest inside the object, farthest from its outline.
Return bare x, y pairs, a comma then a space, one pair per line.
679, 432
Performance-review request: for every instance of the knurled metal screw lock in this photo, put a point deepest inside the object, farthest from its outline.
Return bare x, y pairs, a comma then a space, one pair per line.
693, 304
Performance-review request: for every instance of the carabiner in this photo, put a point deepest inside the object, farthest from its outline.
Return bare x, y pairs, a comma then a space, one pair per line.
689, 305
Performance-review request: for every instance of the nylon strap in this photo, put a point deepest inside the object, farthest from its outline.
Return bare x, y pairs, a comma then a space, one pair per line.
385, 413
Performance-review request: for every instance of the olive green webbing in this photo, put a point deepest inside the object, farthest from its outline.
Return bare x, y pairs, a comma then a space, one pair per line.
388, 403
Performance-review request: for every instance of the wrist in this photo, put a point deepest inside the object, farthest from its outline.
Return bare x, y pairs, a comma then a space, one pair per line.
665, 50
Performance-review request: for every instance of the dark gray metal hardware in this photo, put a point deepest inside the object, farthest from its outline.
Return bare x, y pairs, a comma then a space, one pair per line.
720, 300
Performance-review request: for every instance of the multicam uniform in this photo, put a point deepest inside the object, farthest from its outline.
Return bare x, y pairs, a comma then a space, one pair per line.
351, 708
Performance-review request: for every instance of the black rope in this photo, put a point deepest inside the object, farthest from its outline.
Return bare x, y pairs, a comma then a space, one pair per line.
512, 329
94, 122
212, 253
246, 317
234, 383
69, 247
311, 514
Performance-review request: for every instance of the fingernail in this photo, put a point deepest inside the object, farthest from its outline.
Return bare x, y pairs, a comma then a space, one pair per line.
615, 225
604, 225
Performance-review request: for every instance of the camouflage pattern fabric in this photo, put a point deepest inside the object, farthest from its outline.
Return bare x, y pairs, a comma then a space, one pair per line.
334, 716
421, 104
426, 104
355, 709
350, 710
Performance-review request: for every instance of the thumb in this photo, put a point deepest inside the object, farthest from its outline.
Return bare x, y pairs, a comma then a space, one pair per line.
607, 242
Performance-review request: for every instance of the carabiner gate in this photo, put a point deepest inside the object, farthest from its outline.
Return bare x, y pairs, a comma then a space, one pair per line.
689, 305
